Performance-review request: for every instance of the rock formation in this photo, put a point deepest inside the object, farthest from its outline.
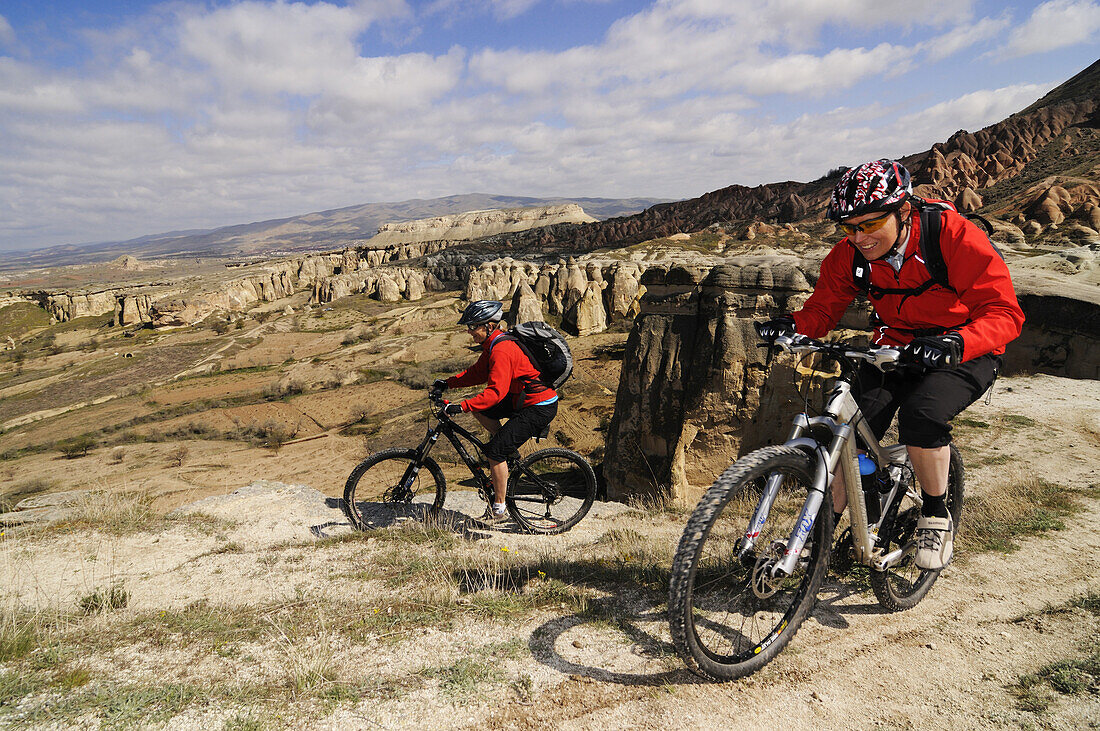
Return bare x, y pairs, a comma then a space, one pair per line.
476, 224
693, 396
692, 380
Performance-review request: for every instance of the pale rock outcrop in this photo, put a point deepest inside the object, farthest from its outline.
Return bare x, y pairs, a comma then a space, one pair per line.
388, 291
477, 224
574, 286
414, 286
967, 201
691, 388
587, 315
525, 306
134, 309
623, 290
65, 306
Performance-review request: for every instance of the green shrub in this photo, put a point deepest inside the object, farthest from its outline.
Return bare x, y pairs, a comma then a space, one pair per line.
76, 446
102, 600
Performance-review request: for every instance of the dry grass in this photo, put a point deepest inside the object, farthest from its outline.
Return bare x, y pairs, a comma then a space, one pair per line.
19, 632
308, 662
116, 513
1014, 508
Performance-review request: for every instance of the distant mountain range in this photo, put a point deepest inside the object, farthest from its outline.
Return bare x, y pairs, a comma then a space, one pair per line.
320, 231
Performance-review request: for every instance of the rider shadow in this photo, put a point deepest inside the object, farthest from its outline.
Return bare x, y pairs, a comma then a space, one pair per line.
545, 639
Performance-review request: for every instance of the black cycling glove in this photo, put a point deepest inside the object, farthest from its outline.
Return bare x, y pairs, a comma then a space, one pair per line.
440, 384
936, 351
453, 409
770, 330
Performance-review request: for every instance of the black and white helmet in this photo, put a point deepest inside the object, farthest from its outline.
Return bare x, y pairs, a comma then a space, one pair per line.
481, 311
879, 185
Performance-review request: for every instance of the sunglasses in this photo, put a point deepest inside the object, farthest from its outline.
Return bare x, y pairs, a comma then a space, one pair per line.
471, 328
869, 226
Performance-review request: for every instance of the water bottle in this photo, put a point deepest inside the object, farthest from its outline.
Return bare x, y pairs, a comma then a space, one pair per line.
869, 477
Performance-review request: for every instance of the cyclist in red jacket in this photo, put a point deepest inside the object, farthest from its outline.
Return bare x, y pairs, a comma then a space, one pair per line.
514, 392
958, 332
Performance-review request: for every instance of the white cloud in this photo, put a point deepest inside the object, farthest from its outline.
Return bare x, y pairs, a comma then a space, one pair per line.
1055, 24
969, 111
841, 68
7, 33
24, 90
508, 9
274, 48
963, 37
264, 109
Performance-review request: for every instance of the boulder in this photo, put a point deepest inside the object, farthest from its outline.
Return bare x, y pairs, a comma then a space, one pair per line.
967, 201
388, 290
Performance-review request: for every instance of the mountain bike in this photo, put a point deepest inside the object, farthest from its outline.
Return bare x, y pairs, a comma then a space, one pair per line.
756, 549
549, 491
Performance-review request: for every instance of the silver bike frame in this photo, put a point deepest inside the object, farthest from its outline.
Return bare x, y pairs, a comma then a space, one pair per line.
843, 419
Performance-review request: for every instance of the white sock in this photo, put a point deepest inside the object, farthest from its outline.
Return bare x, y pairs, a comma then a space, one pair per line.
499, 508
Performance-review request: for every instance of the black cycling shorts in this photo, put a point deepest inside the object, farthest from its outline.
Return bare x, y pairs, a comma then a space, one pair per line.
522, 424
925, 401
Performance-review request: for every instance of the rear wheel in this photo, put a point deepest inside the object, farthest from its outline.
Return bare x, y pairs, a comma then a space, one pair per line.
904, 584
392, 486
550, 490
728, 615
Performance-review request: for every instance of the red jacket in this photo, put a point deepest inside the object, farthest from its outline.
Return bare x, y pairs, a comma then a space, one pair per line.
982, 309
507, 370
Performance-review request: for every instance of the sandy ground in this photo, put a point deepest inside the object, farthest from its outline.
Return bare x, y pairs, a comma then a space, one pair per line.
948, 663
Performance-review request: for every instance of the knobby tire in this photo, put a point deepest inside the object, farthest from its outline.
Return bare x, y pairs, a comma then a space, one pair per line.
720, 626
902, 586
371, 499
550, 491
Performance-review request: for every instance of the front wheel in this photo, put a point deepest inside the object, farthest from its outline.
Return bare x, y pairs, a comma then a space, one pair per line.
728, 615
904, 584
391, 486
550, 491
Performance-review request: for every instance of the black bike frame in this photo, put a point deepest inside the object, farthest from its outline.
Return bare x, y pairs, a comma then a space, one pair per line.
453, 431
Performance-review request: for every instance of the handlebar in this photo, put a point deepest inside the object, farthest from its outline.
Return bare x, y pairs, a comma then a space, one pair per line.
885, 358
439, 404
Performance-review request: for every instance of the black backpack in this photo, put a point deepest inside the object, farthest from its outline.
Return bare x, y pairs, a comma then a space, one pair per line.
931, 216
547, 350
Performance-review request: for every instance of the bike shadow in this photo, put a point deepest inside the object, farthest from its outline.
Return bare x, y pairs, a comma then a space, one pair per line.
547, 637
835, 602
549, 644
378, 516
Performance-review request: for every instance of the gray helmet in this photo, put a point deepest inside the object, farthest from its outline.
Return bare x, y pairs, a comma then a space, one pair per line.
481, 311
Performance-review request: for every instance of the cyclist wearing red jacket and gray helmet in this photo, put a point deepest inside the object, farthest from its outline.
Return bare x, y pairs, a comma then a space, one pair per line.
514, 391
957, 329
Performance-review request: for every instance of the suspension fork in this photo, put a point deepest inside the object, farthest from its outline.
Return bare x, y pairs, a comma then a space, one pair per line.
767, 498
422, 451
827, 463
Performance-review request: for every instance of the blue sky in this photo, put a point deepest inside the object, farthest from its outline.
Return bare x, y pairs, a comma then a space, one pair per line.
128, 118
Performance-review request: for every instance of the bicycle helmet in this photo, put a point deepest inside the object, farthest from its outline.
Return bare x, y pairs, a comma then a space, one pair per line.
481, 311
881, 185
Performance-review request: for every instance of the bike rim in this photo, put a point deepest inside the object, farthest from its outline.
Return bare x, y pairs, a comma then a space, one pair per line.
549, 492
387, 494
730, 621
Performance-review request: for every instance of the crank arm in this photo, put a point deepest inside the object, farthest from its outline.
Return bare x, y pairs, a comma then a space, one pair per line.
894, 557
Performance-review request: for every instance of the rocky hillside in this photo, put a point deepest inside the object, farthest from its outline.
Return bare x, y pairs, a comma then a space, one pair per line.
1035, 169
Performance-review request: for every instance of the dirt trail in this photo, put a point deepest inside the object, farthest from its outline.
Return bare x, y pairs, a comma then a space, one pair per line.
948, 663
